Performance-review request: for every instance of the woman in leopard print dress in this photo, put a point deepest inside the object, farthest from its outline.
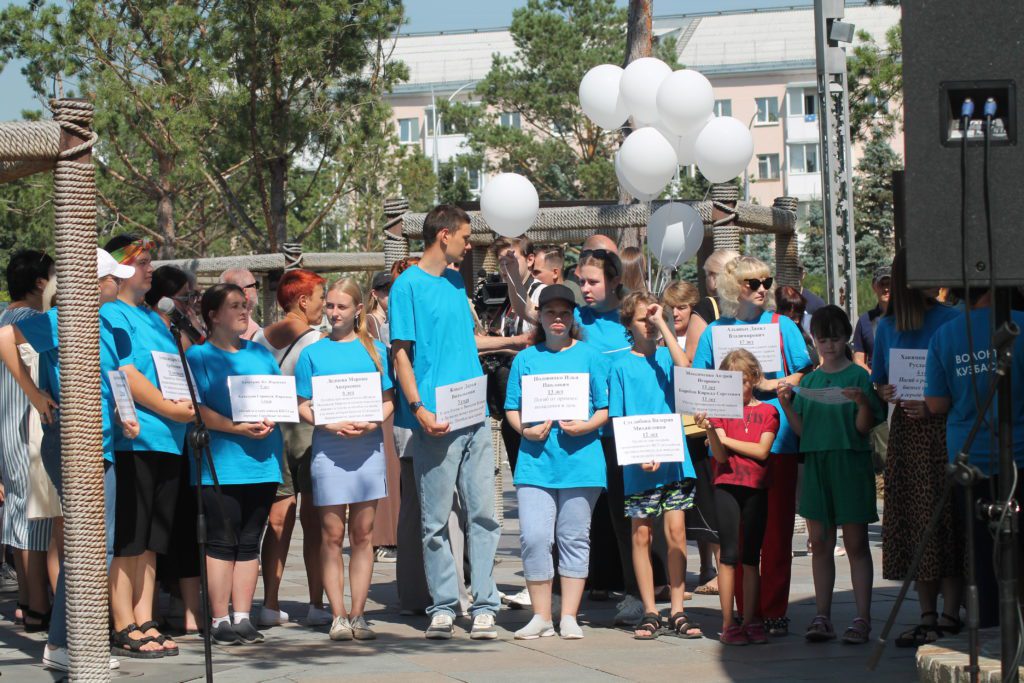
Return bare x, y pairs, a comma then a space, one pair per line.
915, 468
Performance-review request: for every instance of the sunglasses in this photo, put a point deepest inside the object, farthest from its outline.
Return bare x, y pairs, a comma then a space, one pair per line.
604, 255
189, 298
253, 285
754, 284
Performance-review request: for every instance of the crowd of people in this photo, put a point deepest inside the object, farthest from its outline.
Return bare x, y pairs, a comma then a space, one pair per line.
414, 487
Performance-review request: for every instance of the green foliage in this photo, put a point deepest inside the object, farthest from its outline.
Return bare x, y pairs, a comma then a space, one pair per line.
876, 85
557, 147
872, 189
416, 180
26, 215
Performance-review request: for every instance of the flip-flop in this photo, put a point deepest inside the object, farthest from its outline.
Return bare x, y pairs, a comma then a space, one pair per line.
705, 590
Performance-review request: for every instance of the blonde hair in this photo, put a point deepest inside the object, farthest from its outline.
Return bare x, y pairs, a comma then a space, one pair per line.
351, 287
743, 361
731, 282
715, 263
633, 268
680, 293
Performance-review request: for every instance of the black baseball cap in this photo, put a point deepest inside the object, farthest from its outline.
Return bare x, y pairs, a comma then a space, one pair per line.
556, 293
381, 280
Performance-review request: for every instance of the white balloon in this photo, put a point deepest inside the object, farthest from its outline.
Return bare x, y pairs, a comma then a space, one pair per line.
674, 234
648, 161
639, 87
686, 144
685, 99
723, 149
599, 96
509, 204
625, 184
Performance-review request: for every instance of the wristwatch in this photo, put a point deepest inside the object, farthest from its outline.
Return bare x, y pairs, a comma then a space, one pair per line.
415, 406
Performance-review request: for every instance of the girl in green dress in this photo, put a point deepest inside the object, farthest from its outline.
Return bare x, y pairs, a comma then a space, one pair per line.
833, 410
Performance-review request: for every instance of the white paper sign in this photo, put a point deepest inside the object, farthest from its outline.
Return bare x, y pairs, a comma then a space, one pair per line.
829, 395
719, 393
255, 398
649, 438
351, 397
122, 396
462, 404
907, 372
556, 397
760, 340
171, 375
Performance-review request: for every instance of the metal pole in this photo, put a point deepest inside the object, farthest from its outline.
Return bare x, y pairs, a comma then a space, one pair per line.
834, 131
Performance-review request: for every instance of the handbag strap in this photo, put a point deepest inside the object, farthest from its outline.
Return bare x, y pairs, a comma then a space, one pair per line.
280, 363
782, 347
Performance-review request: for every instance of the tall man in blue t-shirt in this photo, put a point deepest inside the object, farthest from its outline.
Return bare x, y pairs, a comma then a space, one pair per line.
433, 345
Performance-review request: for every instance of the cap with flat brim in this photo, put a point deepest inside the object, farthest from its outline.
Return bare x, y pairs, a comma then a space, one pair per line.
556, 293
108, 265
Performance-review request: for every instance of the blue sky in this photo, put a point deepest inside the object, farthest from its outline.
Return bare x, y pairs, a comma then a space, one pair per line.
423, 15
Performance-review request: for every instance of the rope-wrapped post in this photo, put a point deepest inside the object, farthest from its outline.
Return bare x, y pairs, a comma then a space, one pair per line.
726, 233
396, 245
85, 565
787, 259
292, 255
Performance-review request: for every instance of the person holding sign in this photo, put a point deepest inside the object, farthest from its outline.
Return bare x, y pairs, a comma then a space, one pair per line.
839, 478
435, 352
560, 471
744, 286
915, 466
641, 383
741, 448
115, 351
348, 467
246, 455
148, 468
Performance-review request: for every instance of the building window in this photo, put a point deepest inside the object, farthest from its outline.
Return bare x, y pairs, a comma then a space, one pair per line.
802, 102
447, 127
408, 131
471, 174
511, 119
723, 107
767, 110
803, 158
767, 166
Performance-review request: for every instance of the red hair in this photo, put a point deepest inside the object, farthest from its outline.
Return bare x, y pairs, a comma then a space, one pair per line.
295, 284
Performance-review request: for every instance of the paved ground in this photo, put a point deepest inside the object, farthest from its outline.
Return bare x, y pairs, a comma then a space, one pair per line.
297, 653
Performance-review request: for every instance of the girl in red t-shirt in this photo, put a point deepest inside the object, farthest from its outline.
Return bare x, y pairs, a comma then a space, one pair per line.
740, 448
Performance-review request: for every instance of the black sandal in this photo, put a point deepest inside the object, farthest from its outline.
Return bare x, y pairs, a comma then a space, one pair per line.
651, 624
954, 628
160, 638
922, 634
682, 626
42, 617
122, 644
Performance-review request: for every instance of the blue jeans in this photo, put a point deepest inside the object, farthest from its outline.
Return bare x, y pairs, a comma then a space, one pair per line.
550, 515
462, 460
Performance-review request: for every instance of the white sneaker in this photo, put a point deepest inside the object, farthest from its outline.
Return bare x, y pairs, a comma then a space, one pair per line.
341, 629
441, 626
520, 600
56, 659
569, 628
272, 617
318, 617
630, 611
483, 627
536, 628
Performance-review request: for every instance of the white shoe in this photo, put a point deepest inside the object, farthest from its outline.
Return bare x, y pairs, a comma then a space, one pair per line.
536, 628
630, 611
569, 628
318, 617
56, 659
272, 617
483, 627
520, 600
341, 629
441, 627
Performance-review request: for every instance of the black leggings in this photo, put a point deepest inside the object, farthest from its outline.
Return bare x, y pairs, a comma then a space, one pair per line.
736, 507
235, 519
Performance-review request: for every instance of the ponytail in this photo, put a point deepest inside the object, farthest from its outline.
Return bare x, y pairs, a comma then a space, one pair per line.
351, 287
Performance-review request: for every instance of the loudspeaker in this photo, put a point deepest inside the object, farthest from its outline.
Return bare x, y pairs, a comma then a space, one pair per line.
953, 50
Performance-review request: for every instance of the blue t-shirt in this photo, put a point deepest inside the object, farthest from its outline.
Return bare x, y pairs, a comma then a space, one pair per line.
887, 338
794, 350
115, 350
329, 357
432, 312
238, 459
561, 461
603, 331
948, 375
643, 385
148, 333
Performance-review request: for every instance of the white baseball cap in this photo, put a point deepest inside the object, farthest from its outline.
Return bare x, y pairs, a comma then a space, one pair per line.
108, 265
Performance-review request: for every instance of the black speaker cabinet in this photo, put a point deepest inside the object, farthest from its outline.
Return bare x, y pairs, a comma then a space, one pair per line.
953, 51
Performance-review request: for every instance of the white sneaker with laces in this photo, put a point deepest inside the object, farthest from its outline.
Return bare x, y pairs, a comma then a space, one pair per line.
520, 600
56, 659
441, 626
483, 627
631, 610
272, 617
318, 617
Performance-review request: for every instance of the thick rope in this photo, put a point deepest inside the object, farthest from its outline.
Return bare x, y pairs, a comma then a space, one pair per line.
787, 260
29, 140
292, 255
81, 426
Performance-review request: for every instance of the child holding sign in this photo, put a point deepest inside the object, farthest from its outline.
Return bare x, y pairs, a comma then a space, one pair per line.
741, 448
348, 467
839, 479
641, 384
560, 471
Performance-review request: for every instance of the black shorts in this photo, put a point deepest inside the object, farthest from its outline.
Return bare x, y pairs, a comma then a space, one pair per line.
147, 494
235, 519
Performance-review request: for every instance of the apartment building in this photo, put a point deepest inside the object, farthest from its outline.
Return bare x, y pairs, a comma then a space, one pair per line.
760, 62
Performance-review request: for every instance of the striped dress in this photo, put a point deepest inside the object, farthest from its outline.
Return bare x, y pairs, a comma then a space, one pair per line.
18, 530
